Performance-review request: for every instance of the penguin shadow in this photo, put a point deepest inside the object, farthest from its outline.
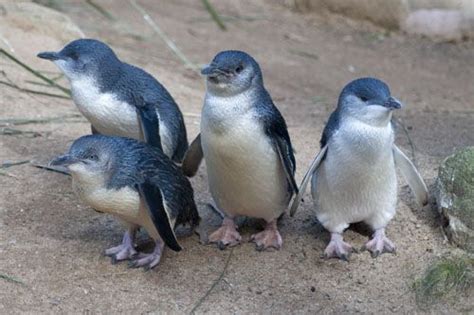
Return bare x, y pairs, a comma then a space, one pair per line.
91, 234
427, 214
361, 228
354, 231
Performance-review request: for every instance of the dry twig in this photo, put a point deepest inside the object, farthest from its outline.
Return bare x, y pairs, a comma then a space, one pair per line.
214, 15
204, 297
24, 121
34, 72
11, 279
100, 9
169, 42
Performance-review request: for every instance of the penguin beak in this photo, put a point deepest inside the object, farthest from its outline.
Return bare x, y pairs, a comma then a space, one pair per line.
393, 103
64, 160
209, 70
212, 70
49, 55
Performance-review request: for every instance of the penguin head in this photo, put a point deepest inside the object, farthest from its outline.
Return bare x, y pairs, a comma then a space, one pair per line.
91, 159
369, 100
232, 72
84, 58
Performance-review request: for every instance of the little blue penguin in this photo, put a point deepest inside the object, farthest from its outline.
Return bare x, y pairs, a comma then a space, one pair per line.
353, 177
138, 184
120, 99
247, 149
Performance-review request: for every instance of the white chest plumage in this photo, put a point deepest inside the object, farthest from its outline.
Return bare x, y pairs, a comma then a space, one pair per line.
111, 116
245, 174
123, 203
106, 113
357, 180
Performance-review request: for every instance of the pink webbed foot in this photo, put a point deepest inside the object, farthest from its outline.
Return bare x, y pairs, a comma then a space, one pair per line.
379, 244
148, 261
268, 238
226, 235
125, 250
337, 248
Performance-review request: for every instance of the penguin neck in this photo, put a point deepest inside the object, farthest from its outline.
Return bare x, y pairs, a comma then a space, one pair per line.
232, 103
108, 76
221, 112
380, 118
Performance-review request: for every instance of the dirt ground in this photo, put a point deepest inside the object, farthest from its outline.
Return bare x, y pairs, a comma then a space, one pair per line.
53, 244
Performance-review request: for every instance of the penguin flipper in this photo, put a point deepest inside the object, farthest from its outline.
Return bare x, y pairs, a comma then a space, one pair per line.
309, 174
192, 158
284, 153
152, 197
149, 124
411, 175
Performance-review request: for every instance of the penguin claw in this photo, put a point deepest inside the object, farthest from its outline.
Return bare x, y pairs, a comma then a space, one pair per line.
131, 264
120, 253
259, 247
113, 260
379, 244
226, 235
337, 248
268, 238
346, 257
123, 251
221, 245
375, 254
148, 261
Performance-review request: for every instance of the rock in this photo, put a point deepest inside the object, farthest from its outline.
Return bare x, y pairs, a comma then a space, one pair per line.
28, 28
384, 13
440, 20
440, 25
455, 197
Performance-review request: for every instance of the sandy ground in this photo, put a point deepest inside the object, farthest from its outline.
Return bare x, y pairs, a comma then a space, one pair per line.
53, 243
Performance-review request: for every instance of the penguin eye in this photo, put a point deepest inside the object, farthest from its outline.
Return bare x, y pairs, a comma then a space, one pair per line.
93, 157
364, 99
73, 56
239, 69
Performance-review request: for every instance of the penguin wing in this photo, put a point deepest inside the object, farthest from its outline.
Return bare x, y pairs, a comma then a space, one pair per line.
285, 153
331, 127
314, 166
152, 197
192, 158
411, 175
148, 121
275, 128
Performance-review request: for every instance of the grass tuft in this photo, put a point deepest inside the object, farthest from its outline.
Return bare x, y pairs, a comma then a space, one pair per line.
215, 16
11, 279
444, 280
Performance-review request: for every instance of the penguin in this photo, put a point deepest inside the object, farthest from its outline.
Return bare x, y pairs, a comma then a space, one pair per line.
119, 99
353, 178
246, 147
136, 183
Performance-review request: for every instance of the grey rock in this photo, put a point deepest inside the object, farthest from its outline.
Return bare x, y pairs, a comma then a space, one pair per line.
455, 197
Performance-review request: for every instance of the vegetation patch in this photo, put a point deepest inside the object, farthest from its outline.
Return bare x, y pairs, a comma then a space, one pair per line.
445, 280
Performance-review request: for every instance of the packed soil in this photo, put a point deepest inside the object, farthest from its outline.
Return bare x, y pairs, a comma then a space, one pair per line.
52, 243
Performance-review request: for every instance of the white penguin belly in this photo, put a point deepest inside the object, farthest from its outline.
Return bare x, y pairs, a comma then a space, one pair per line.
357, 180
123, 203
245, 174
111, 116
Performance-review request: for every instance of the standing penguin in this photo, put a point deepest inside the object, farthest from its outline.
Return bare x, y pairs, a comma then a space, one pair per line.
136, 183
353, 177
119, 99
247, 149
